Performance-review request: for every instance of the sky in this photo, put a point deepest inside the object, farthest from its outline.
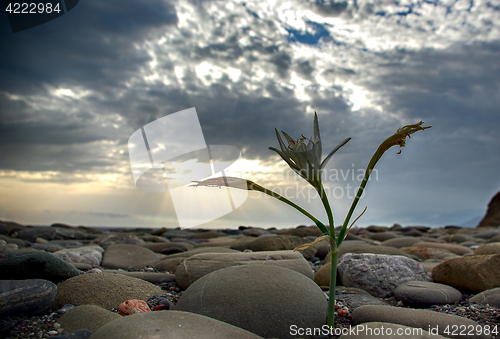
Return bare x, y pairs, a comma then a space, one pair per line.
74, 90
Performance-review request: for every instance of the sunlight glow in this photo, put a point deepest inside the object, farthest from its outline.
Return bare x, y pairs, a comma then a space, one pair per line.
234, 74
71, 93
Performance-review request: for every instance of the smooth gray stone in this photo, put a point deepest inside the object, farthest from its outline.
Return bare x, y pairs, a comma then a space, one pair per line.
423, 319
47, 247
401, 242
35, 265
81, 265
107, 240
274, 243
27, 297
425, 293
166, 247
103, 289
356, 297
10, 240
172, 325
197, 266
6, 248
265, 300
179, 234
49, 233
58, 245
199, 250
90, 317
80, 334
129, 257
348, 247
3, 229
383, 236
490, 297
152, 277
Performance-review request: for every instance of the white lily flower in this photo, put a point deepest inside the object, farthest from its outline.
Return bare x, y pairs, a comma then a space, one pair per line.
304, 159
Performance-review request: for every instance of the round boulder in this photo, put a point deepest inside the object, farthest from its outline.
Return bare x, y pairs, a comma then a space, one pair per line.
35, 265
129, 257
26, 297
490, 248
426, 294
90, 317
379, 274
172, 325
489, 297
265, 300
106, 290
475, 273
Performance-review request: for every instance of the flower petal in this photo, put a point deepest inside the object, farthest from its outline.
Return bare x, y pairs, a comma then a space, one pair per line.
316, 128
286, 158
317, 138
342, 143
289, 138
282, 145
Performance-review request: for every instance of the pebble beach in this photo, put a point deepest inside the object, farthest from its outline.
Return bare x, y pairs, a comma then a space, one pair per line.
65, 282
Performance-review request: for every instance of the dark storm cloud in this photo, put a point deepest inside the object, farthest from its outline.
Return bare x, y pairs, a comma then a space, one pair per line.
330, 7
91, 47
91, 44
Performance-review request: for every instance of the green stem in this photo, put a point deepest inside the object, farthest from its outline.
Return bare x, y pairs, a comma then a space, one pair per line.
333, 284
297, 207
334, 256
373, 161
326, 204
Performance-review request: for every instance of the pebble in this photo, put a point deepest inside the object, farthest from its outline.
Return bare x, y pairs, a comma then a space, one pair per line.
107, 240
263, 299
35, 265
475, 273
457, 249
195, 267
129, 257
167, 247
426, 294
171, 324
89, 255
28, 297
106, 290
90, 317
131, 307
379, 274
275, 243
488, 297
351, 247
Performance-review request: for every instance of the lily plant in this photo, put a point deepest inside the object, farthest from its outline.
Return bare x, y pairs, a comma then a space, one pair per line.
303, 155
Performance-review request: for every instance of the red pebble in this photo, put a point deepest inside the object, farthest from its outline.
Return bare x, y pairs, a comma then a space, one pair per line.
341, 312
130, 307
159, 308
